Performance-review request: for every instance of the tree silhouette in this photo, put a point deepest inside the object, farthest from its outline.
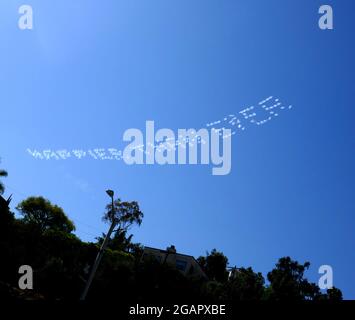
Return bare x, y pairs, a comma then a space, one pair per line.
287, 282
334, 294
3, 173
245, 285
43, 239
125, 214
214, 265
121, 242
43, 214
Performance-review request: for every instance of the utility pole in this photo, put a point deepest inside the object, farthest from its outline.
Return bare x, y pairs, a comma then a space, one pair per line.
101, 251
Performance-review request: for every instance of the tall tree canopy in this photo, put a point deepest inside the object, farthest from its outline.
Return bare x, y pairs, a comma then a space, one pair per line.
214, 265
287, 282
3, 173
245, 285
125, 214
42, 213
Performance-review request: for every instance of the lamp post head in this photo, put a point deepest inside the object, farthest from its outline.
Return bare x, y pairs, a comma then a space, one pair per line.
110, 193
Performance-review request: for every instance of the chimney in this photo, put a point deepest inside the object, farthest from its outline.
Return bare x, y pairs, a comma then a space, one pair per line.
171, 249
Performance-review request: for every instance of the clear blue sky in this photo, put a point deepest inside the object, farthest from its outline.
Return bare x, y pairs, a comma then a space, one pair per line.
92, 69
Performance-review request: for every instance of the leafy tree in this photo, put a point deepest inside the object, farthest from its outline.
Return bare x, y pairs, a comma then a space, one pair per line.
3, 173
287, 282
43, 214
214, 265
125, 214
245, 285
6, 216
61, 261
334, 294
121, 242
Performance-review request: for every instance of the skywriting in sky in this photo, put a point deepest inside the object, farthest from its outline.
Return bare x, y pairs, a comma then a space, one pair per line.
160, 147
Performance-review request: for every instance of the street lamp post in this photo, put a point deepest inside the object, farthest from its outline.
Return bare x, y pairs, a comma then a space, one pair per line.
102, 249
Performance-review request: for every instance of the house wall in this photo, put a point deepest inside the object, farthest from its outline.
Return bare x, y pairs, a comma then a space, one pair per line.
184, 263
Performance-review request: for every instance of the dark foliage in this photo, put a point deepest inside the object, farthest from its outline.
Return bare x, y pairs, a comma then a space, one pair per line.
43, 239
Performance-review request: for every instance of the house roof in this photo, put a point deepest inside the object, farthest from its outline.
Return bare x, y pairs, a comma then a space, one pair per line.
177, 253
167, 251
